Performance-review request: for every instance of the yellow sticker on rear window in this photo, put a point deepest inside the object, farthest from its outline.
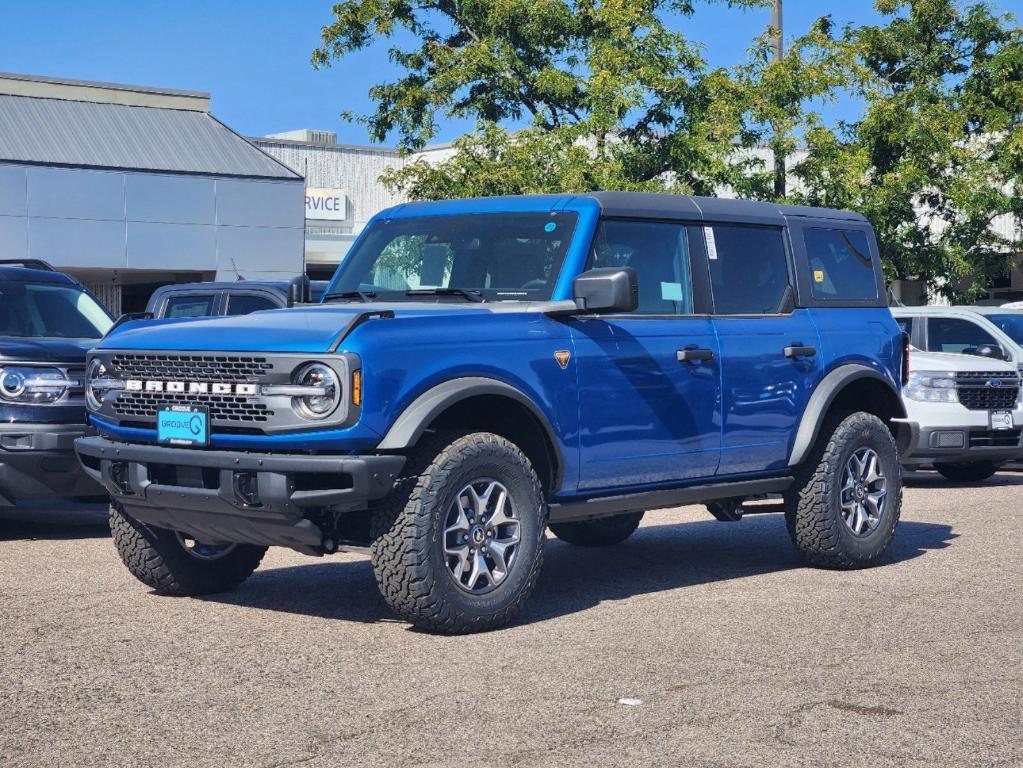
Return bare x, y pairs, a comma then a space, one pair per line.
818, 275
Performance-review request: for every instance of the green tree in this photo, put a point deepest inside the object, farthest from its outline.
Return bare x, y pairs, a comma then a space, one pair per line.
608, 94
937, 153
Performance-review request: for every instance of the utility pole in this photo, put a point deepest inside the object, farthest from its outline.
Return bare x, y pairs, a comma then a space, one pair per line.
776, 148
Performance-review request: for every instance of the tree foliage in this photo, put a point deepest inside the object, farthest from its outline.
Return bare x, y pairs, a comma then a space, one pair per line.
936, 154
621, 97
573, 95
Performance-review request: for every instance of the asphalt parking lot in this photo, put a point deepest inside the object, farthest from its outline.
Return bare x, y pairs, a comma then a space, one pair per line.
738, 653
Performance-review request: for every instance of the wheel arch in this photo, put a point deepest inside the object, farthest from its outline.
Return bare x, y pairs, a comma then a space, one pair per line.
486, 404
849, 387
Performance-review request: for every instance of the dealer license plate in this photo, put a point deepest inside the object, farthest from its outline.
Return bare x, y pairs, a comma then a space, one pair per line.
1001, 419
183, 425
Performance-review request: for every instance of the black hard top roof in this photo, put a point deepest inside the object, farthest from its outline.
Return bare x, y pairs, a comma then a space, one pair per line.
662, 206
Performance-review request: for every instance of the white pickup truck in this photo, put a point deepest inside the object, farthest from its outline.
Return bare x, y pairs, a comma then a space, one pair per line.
964, 414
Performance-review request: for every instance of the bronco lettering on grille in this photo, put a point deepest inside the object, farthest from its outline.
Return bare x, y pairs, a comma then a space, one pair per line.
193, 387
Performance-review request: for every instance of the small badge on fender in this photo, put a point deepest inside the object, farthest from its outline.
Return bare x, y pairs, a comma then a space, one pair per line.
563, 356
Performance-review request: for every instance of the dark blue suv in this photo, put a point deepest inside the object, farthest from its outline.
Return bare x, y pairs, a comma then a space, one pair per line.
483, 370
48, 321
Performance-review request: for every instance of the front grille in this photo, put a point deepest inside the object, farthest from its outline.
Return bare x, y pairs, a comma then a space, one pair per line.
978, 392
211, 368
231, 408
994, 438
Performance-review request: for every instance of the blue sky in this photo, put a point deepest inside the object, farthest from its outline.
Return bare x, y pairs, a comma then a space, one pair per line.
253, 57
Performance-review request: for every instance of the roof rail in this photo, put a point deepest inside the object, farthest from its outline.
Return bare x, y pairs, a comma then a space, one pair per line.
31, 264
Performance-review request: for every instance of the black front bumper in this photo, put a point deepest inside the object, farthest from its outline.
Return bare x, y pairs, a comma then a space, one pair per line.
977, 444
236, 496
38, 460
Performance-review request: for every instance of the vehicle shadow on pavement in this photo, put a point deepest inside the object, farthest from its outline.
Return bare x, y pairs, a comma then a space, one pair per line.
664, 557
654, 559
55, 519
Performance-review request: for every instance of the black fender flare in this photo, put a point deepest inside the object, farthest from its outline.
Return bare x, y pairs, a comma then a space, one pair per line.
824, 395
414, 420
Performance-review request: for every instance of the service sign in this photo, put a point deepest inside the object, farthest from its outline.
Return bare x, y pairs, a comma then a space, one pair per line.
324, 204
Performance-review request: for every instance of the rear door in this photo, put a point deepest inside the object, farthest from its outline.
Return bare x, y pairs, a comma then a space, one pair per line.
649, 383
769, 360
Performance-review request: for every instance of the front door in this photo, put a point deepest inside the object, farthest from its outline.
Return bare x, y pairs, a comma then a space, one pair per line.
770, 352
649, 402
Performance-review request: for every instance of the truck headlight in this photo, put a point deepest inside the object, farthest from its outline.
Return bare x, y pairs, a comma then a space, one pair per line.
324, 391
932, 387
30, 385
98, 384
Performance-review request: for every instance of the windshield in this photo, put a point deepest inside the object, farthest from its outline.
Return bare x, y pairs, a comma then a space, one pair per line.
1011, 325
44, 310
489, 257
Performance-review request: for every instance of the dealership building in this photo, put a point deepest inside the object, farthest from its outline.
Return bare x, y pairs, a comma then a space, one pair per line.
129, 188
343, 187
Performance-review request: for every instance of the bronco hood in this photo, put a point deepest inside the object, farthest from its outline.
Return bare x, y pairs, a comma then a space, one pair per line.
307, 330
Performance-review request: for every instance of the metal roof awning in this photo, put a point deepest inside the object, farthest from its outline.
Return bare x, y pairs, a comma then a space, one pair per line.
53, 131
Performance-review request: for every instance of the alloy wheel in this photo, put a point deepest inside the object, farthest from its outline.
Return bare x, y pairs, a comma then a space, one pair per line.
481, 536
864, 492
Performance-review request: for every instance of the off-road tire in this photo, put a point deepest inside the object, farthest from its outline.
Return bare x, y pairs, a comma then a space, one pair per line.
601, 532
407, 529
967, 472
156, 557
812, 505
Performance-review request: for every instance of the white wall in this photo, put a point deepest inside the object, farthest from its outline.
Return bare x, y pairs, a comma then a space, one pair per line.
117, 220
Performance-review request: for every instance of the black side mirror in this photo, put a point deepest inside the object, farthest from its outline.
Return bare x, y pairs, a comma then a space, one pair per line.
299, 291
994, 351
609, 289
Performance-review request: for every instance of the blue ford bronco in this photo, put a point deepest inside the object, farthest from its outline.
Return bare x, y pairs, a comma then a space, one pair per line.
482, 370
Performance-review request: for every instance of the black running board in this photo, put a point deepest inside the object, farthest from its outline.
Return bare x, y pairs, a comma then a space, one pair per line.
604, 506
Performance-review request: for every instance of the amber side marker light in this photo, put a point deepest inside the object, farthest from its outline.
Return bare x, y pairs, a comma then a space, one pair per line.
357, 388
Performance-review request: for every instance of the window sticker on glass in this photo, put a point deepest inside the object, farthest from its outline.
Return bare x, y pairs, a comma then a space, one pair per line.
818, 275
712, 249
671, 291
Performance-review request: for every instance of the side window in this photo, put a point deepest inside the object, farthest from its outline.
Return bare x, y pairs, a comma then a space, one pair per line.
243, 304
190, 306
660, 255
748, 268
905, 325
950, 334
840, 264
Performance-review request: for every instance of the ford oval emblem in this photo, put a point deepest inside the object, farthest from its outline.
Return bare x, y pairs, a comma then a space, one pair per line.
994, 382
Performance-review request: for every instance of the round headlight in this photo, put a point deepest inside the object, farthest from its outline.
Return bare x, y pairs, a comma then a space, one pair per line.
12, 384
32, 385
93, 394
325, 401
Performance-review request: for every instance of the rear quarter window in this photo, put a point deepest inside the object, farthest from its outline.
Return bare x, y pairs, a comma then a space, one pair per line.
840, 264
198, 305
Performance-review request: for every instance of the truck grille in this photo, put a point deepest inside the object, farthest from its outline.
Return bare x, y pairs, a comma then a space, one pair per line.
231, 408
978, 391
211, 368
214, 368
994, 438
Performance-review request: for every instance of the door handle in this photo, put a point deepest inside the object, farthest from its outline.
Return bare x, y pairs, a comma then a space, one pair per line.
692, 354
796, 349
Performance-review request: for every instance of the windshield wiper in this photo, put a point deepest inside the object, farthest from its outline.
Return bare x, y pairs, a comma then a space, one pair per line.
364, 296
465, 293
